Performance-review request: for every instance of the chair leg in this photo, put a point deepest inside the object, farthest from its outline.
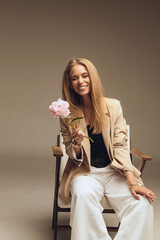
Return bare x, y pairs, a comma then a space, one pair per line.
55, 207
54, 216
55, 221
55, 233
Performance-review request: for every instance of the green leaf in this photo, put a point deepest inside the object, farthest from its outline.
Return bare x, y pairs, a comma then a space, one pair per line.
76, 119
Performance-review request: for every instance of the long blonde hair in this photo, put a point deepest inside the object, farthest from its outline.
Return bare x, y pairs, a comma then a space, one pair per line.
96, 93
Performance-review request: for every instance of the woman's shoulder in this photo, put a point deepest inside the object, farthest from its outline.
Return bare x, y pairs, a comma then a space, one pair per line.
111, 102
113, 107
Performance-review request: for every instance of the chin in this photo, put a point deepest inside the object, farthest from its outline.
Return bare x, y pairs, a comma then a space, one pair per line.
83, 94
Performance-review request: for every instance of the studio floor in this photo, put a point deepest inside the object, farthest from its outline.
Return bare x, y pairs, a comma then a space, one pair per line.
27, 189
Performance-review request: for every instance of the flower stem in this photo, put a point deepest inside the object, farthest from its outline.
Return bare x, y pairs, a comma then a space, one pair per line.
89, 138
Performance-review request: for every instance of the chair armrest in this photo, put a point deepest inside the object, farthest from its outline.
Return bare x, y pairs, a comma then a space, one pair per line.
57, 151
140, 155
143, 158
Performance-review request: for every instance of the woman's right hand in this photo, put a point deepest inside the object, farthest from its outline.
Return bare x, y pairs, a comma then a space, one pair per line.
78, 136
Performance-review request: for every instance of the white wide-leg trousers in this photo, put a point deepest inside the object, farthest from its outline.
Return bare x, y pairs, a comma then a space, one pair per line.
87, 223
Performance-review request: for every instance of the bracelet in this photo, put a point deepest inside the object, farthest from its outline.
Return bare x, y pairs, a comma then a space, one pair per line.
132, 185
75, 145
135, 184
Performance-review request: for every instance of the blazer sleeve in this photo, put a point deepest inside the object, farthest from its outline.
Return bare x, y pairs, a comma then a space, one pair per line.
121, 153
67, 141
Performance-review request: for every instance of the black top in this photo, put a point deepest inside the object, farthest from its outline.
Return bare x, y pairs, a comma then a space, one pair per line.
99, 154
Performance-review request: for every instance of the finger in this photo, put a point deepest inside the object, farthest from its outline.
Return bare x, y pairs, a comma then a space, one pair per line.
148, 199
80, 133
150, 193
144, 191
80, 138
76, 133
77, 137
149, 190
135, 195
153, 199
151, 196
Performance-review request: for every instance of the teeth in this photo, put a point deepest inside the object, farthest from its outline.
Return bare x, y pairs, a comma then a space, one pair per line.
82, 87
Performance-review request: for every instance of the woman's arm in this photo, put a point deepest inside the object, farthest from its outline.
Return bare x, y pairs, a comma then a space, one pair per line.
77, 138
137, 188
122, 156
75, 152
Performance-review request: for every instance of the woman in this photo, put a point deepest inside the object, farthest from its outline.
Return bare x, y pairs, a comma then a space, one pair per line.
102, 167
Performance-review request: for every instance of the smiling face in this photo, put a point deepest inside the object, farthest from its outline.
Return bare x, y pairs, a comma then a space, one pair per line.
80, 80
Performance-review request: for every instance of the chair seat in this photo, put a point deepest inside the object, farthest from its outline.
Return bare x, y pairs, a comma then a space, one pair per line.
105, 204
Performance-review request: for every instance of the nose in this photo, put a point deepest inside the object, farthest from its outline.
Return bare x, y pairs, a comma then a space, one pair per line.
80, 79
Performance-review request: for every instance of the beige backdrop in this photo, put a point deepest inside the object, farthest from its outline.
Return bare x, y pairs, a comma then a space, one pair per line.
39, 37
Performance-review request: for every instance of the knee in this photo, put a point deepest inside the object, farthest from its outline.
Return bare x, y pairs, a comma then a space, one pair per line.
84, 196
82, 193
145, 207
145, 203
80, 188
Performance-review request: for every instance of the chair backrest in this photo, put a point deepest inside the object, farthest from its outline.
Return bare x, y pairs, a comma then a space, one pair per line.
65, 156
128, 140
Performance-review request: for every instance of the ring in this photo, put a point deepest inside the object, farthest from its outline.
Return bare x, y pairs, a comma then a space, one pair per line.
148, 192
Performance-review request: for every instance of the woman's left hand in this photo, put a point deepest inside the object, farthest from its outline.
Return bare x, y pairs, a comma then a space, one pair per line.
136, 190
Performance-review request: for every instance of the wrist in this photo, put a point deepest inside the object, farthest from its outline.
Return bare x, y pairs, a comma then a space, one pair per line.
130, 177
134, 184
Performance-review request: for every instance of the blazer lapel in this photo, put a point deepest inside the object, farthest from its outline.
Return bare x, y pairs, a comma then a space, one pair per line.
106, 133
86, 143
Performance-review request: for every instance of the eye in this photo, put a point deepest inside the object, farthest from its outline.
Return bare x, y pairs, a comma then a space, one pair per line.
74, 78
85, 76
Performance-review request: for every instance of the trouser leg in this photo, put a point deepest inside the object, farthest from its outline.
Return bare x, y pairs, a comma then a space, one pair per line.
136, 216
86, 211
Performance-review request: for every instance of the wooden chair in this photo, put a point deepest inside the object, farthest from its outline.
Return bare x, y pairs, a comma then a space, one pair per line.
61, 159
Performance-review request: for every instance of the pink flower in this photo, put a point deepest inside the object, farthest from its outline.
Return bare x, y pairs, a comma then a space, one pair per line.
60, 108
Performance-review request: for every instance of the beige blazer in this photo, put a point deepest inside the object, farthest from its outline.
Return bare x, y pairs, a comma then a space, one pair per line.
115, 139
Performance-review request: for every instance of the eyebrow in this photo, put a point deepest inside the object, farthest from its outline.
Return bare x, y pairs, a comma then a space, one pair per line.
81, 74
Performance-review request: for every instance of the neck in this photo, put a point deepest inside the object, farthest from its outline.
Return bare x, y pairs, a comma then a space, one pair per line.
87, 101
